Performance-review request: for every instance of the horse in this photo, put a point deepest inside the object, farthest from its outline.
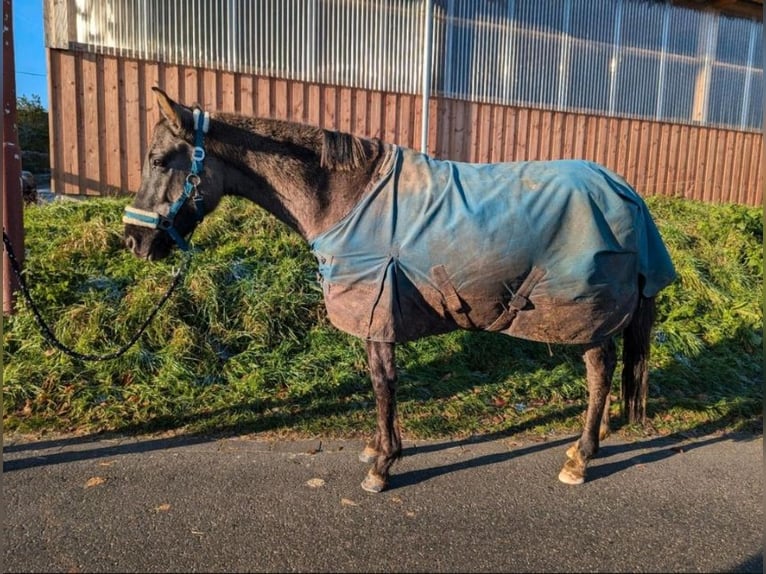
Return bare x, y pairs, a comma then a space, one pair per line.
408, 246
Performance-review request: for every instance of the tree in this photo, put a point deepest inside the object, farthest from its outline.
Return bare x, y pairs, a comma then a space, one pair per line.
34, 141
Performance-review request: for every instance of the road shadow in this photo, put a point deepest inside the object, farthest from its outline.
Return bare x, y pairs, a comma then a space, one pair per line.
651, 451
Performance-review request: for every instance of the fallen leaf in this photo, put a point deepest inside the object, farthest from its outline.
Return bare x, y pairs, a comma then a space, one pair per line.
348, 502
315, 483
164, 507
410, 514
95, 481
395, 500
106, 463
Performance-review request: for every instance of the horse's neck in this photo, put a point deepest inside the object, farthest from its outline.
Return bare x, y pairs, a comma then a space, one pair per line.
287, 169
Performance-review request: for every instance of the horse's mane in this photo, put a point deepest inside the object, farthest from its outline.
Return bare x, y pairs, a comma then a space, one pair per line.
342, 152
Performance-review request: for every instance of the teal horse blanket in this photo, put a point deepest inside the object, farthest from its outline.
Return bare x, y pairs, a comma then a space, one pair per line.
553, 251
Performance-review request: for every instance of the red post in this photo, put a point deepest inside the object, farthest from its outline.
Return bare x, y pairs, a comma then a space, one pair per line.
13, 222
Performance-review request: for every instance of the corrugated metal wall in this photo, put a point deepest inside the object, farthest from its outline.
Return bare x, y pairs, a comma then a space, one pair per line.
102, 112
625, 58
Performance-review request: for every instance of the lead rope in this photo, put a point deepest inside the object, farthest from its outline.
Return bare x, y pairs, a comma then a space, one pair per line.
47, 332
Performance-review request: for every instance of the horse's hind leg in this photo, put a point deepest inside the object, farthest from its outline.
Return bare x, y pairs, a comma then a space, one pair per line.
600, 362
387, 444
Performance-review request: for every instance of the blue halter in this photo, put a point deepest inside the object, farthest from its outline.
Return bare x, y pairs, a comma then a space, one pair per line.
152, 220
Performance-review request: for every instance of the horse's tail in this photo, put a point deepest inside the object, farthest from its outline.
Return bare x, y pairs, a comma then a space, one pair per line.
635, 360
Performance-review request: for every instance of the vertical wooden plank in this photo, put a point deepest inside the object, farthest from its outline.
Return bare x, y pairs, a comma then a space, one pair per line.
569, 136
416, 123
692, 163
390, 127
113, 126
643, 181
674, 159
632, 174
263, 98
484, 133
623, 146
748, 159
313, 105
361, 111
228, 100
736, 166
650, 150
682, 175
724, 176
757, 197
281, 99
558, 135
471, 133
90, 157
497, 141
434, 113
297, 93
132, 124
611, 143
69, 124
710, 165
344, 109
170, 81
521, 145
544, 134
460, 145
662, 159
208, 90
534, 127
55, 119
150, 73
190, 86
591, 138
509, 134
701, 164
246, 95
404, 122
444, 123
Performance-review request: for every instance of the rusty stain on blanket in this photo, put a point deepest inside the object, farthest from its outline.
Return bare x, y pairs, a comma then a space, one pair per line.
553, 251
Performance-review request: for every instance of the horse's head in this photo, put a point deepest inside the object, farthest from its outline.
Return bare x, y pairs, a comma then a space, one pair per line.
179, 184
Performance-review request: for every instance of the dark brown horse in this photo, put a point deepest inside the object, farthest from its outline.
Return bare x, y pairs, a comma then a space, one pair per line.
408, 247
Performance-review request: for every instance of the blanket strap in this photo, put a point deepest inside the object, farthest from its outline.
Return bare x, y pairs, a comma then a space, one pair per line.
518, 302
455, 304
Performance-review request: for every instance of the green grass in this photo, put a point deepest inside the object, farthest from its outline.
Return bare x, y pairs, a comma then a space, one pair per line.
245, 346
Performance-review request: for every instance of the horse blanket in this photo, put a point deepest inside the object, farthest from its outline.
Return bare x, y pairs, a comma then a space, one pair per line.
552, 251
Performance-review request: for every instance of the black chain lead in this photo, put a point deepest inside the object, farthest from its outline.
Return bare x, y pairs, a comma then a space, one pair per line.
51, 337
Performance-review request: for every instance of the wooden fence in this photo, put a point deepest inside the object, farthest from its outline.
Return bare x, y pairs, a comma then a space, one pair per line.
102, 112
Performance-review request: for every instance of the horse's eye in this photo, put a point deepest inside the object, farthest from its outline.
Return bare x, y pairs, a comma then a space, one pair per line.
157, 162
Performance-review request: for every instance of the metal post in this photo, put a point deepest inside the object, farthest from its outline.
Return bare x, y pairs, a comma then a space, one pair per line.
13, 223
428, 50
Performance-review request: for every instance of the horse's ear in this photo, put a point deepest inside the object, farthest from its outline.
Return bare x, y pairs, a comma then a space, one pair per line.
170, 110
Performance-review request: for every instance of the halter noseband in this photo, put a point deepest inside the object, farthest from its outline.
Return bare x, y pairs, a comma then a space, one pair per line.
152, 220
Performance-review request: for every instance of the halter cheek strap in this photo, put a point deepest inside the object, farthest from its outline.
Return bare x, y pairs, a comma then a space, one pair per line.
153, 220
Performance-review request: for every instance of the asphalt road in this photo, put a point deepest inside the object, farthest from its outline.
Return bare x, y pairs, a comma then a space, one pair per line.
202, 504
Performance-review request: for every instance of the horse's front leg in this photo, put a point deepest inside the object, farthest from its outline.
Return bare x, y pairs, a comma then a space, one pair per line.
600, 362
386, 447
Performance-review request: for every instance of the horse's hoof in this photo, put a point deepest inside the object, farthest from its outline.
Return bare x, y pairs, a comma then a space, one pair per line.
373, 483
368, 455
572, 473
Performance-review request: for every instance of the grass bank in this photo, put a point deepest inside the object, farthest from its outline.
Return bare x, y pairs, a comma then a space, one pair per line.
244, 345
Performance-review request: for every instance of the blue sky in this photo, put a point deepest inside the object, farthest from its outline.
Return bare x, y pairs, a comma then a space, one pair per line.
29, 48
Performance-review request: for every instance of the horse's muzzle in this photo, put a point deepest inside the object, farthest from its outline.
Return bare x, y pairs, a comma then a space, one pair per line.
147, 244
